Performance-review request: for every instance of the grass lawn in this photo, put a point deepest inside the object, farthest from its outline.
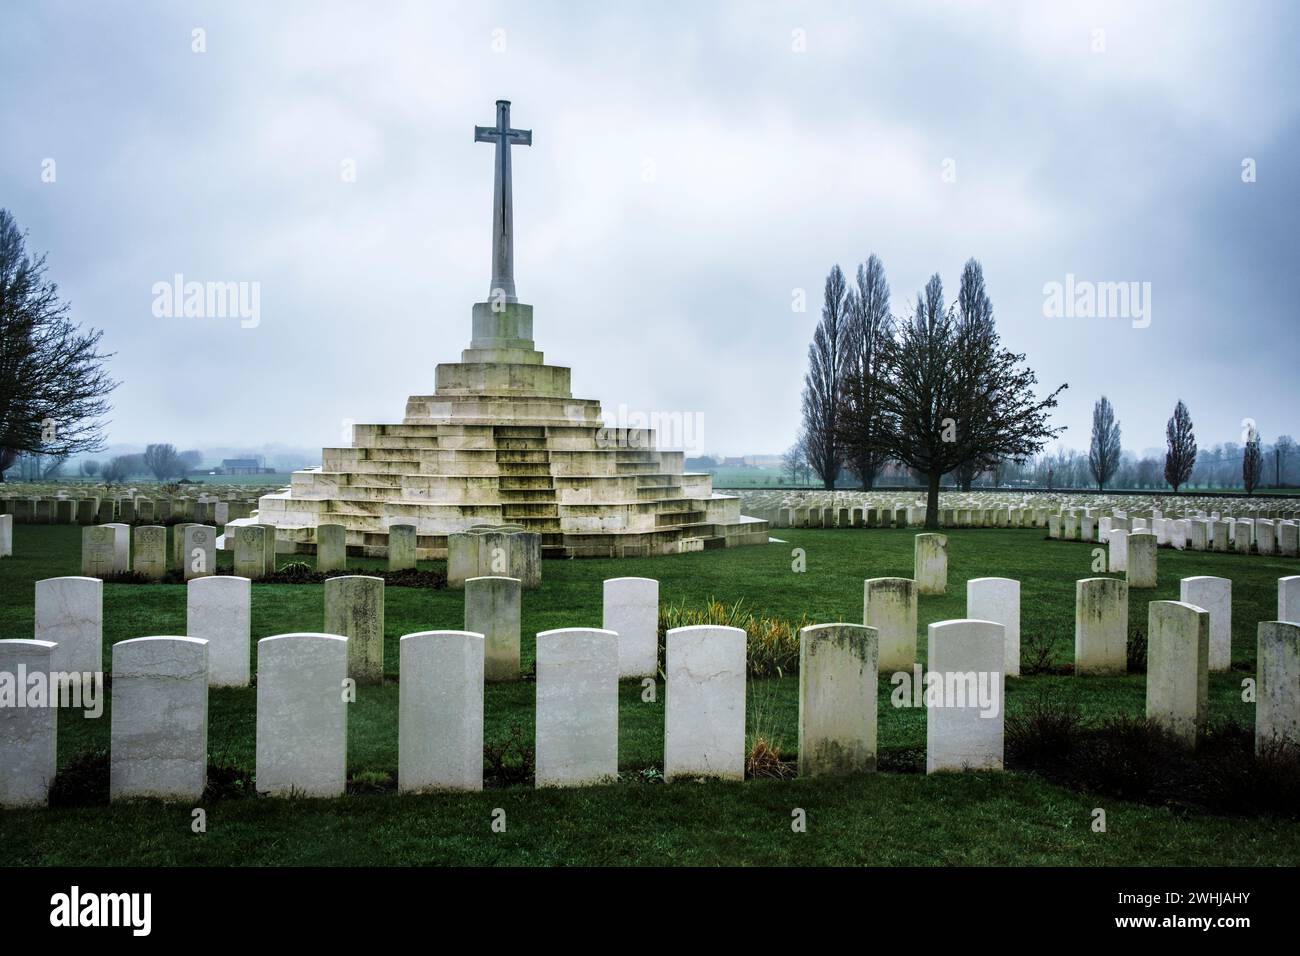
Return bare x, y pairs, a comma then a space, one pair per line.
886, 818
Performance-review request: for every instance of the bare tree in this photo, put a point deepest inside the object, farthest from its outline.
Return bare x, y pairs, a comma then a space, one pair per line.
1283, 450
792, 462
115, 472
52, 465
89, 467
53, 386
952, 394
821, 393
162, 460
1104, 453
869, 328
1180, 455
1252, 461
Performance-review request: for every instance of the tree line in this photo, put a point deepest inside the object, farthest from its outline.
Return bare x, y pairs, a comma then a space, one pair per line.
1183, 464
933, 390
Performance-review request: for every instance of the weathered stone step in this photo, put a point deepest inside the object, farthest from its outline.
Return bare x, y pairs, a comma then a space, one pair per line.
675, 518
526, 482
521, 444
658, 493
516, 510
526, 496
522, 456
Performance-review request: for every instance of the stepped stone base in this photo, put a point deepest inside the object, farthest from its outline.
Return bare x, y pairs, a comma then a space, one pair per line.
502, 441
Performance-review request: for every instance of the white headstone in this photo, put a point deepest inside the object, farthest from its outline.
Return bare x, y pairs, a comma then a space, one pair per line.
1140, 565
1277, 710
302, 716
401, 547
98, 551
70, 613
704, 707
160, 719
28, 735
998, 600
151, 552
632, 612
1101, 625
1214, 595
331, 547
889, 605
1288, 599
1178, 658
440, 711
1288, 539
250, 551
354, 608
218, 610
931, 561
964, 696
492, 608
838, 665
199, 552
1118, 550
122, 537
577, 707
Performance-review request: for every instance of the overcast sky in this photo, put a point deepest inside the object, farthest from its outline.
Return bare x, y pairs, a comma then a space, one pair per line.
692, 166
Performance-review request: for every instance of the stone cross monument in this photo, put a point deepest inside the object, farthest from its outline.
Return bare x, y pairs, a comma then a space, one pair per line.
503, 226
502, 451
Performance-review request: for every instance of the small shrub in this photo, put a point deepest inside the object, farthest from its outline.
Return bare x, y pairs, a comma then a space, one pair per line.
509, 762
1136, 759
299, 570
226, 782
771, 644
1038, 650
764, 760
1045, 732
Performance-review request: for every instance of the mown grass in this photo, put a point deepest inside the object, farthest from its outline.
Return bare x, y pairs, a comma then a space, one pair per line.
887, 818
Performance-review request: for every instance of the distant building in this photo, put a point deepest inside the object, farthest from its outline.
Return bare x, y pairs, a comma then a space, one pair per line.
242, 466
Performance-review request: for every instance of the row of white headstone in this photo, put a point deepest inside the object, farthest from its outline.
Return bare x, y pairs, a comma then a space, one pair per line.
130, 509
106, 550
160, 685
991, 509
69, 613
1242, 535
160, 706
